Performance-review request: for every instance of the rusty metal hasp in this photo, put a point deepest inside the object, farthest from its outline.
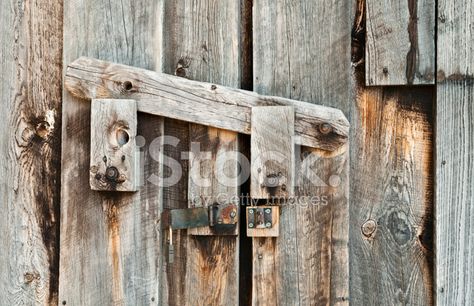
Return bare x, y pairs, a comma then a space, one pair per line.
221, 218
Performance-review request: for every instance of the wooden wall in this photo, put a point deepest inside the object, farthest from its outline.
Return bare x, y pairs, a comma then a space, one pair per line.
400, 70
31, 43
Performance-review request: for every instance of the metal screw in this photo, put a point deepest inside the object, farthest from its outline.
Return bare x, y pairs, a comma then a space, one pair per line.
250, 225
250, 211
268, 224
268, 210
111, 173
219, 221
232, 214
325, 128
260, 256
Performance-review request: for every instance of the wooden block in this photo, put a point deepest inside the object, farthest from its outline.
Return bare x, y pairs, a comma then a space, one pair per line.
113, 153
400, 47
257, 219
272, 152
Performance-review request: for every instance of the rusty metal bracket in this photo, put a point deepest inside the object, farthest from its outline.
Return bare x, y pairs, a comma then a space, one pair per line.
221, 218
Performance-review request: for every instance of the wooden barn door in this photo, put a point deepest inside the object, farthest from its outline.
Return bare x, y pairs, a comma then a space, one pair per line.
114, 249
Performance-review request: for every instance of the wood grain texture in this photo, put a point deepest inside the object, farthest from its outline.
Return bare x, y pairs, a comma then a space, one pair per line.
30, 149
392, 194
392, 211
213, 170
203, 103
308, 263
110, 243
272, 152
173, 276
454, 195
114, 157
455, 35
400, 45
301, 50
301, 53
201, 42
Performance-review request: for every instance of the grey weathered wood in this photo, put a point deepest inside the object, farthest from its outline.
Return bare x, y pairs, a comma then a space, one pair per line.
203, 103
455, 35
213, 170
400, 46
301, 51
110, 242
200, 42
114, 158
454, 195
272, 152
30, 98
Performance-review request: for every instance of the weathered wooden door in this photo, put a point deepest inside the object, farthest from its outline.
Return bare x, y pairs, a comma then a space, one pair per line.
141, 250
407, 91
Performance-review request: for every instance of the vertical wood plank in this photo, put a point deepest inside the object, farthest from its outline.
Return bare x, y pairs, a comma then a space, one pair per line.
212, 169
400, 46
455, 34
272, 152
110, 242
302, 53
301, 50
30, 149
454, 195
392, 206
391, 193
201, 41
113, 150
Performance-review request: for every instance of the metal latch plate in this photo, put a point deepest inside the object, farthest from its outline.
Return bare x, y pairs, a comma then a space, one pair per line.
263, 221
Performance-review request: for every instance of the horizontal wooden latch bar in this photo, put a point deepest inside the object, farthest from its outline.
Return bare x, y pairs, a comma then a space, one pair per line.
199, 102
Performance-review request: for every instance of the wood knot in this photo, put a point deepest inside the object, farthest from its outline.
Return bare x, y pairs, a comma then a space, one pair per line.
127, 85
43, 129
29, 277
368, 228
181, 72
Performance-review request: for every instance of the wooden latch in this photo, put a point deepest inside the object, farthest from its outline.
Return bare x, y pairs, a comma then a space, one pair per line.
276, 126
